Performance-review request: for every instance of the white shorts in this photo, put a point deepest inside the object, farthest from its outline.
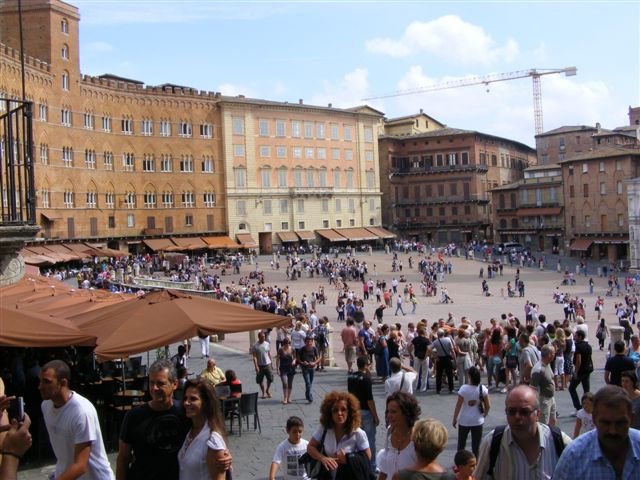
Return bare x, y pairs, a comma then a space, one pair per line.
558, 365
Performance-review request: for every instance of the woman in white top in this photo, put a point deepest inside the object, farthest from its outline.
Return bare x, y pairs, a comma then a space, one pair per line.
203, 451
297, 337
340, 427
399, 453
467, 415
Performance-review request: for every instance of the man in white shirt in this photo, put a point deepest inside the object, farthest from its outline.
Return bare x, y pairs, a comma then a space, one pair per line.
401, 378
73, 426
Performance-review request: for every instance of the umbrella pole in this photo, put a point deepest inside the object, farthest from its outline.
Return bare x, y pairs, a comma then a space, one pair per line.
124, 382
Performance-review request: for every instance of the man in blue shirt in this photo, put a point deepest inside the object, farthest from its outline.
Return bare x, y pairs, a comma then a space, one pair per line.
612, 450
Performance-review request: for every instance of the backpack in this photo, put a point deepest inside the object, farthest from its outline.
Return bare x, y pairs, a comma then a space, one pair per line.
496, 439
321, 336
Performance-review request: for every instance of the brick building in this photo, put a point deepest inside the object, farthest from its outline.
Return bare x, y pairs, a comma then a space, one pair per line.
119, 162
435, 184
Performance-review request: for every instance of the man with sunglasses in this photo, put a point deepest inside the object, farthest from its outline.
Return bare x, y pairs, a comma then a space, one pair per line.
524, 449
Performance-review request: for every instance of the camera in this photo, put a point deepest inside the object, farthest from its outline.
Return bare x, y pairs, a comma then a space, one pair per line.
16, 409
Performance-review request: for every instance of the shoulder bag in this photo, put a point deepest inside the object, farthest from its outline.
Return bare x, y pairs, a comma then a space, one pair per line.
314, 468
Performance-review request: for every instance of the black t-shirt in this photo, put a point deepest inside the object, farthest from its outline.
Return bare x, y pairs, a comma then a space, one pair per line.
420, 346
155, 438
359, 385
584, 350
307, 355
616, 365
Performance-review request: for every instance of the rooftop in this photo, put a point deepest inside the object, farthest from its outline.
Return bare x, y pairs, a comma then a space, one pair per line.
567, 129
603, 152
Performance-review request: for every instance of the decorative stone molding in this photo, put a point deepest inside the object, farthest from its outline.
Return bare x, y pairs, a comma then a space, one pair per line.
12, 239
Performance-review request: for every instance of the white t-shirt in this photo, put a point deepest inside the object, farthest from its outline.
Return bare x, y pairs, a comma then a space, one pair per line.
288, 454
74, 423
392, 384
587, 421
192, 457
392, 460
470, 415
356, 442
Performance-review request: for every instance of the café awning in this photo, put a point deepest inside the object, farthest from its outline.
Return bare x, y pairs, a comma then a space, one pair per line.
331, 235
581, 244
220, 242
306, 234
357, 234
50, 217
382, 233
246, 240
157, 244
189, 243
288, 236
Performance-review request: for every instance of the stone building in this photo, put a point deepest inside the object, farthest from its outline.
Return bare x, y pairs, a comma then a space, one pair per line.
120, 162
435, 184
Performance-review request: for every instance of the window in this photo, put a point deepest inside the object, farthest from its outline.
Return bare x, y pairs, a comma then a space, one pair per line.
553, 194
603, 188
618, 164
67, 199
587, 221
601, 167
238, 150
284, 226
238, 125
65, 80
263, 127
64, 26
109, 199
265, 152
585, 189
88, 121
268, 227
106, 123
44, 154
266, 207
130, 220
308, 130
146, 127
571, 191
297, 152
90, 159
368, 155
166, 165
165, 128
184, 129
300, 205
320, 131
209, 199
295, 129
188, 220
325, 205
620, 220
372, 204
67, 156
167, 199
207, 164
280, 128
42, 109
206, 130
111, 222
440, 191
310, 182
573, 221
107, 160
281, 152
453, 188
148, 163
347, 133
301, 225
352, 205
297, 177
92, 199
452, 159
266, 177
348, 154
338, 223
282, 177
284, 205
619, 187
325, 223
338, 205
467, 209
127, 126
188, 199
335, 154
130, 199
308, 152
585, 168
368, 135
186, 163
65, 117
149, 199
370, 179
334, 131
464, 156
322, 153
241, 177
349, 178
336, 178
570, 170
128, 162
494, 160
44, 198
322, 178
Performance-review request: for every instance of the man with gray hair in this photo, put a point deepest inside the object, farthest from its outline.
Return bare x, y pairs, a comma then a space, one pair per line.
401, 378
542, 380
446, 358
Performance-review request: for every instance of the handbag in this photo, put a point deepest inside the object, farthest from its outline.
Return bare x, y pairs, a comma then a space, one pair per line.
314, 468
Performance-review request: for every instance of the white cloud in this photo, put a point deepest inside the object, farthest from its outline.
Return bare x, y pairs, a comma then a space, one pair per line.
231, 90
505, 108
448, 37
348, 92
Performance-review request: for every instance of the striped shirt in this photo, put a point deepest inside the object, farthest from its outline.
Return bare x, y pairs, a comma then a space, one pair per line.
512, 463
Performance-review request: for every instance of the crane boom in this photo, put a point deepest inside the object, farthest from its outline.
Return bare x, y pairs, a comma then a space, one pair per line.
534, 73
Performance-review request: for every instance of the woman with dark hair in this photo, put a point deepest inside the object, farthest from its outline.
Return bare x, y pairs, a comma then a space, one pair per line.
470, 411
510, 358
286, 366
231, 381
381, 352
629, 381
494, 356
204, 447
402, 413
339, 435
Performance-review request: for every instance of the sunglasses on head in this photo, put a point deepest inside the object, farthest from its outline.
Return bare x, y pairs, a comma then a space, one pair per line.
523, 412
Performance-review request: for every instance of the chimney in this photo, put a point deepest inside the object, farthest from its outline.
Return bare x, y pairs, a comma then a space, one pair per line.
421, 111
300, 101
598, 125
330, 105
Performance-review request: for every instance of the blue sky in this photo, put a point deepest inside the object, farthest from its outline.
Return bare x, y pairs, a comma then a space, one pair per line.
341, 52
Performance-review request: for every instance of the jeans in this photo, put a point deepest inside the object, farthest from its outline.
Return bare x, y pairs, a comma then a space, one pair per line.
476, 437
422, 367
307, 374
399, 307
369, 428
573, 387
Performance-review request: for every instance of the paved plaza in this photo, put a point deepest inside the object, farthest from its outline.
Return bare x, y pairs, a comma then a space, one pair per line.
253, 451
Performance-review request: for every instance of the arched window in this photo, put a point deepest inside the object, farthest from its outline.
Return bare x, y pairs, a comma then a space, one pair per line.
65, 81
64, 52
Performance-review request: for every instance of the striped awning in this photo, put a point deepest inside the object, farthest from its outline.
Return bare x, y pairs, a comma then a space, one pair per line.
220, 242
306, 234
158, 244
288, 236
331, 235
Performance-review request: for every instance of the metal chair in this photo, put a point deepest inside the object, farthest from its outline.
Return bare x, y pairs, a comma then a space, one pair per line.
248, 406
223, 391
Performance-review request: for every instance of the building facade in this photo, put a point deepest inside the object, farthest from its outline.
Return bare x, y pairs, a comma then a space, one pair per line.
436, 184
119, 162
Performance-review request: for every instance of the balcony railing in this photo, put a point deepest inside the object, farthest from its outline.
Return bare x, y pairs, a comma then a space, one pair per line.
476, 198
17, 190
438, 169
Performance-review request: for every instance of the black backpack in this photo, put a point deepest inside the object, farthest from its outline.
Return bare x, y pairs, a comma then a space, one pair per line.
496, 439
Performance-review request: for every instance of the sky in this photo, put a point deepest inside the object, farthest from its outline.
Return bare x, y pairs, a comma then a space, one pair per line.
341, 52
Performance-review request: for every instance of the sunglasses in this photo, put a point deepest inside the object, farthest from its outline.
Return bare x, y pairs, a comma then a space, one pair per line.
523, 412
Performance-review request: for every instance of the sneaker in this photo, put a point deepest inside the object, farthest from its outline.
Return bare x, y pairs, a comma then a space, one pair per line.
574, 414
504, 390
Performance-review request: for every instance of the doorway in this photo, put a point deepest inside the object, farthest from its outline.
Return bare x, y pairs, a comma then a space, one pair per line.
265, 240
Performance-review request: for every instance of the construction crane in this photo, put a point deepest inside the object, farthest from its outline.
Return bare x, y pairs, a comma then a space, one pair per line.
534, 73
